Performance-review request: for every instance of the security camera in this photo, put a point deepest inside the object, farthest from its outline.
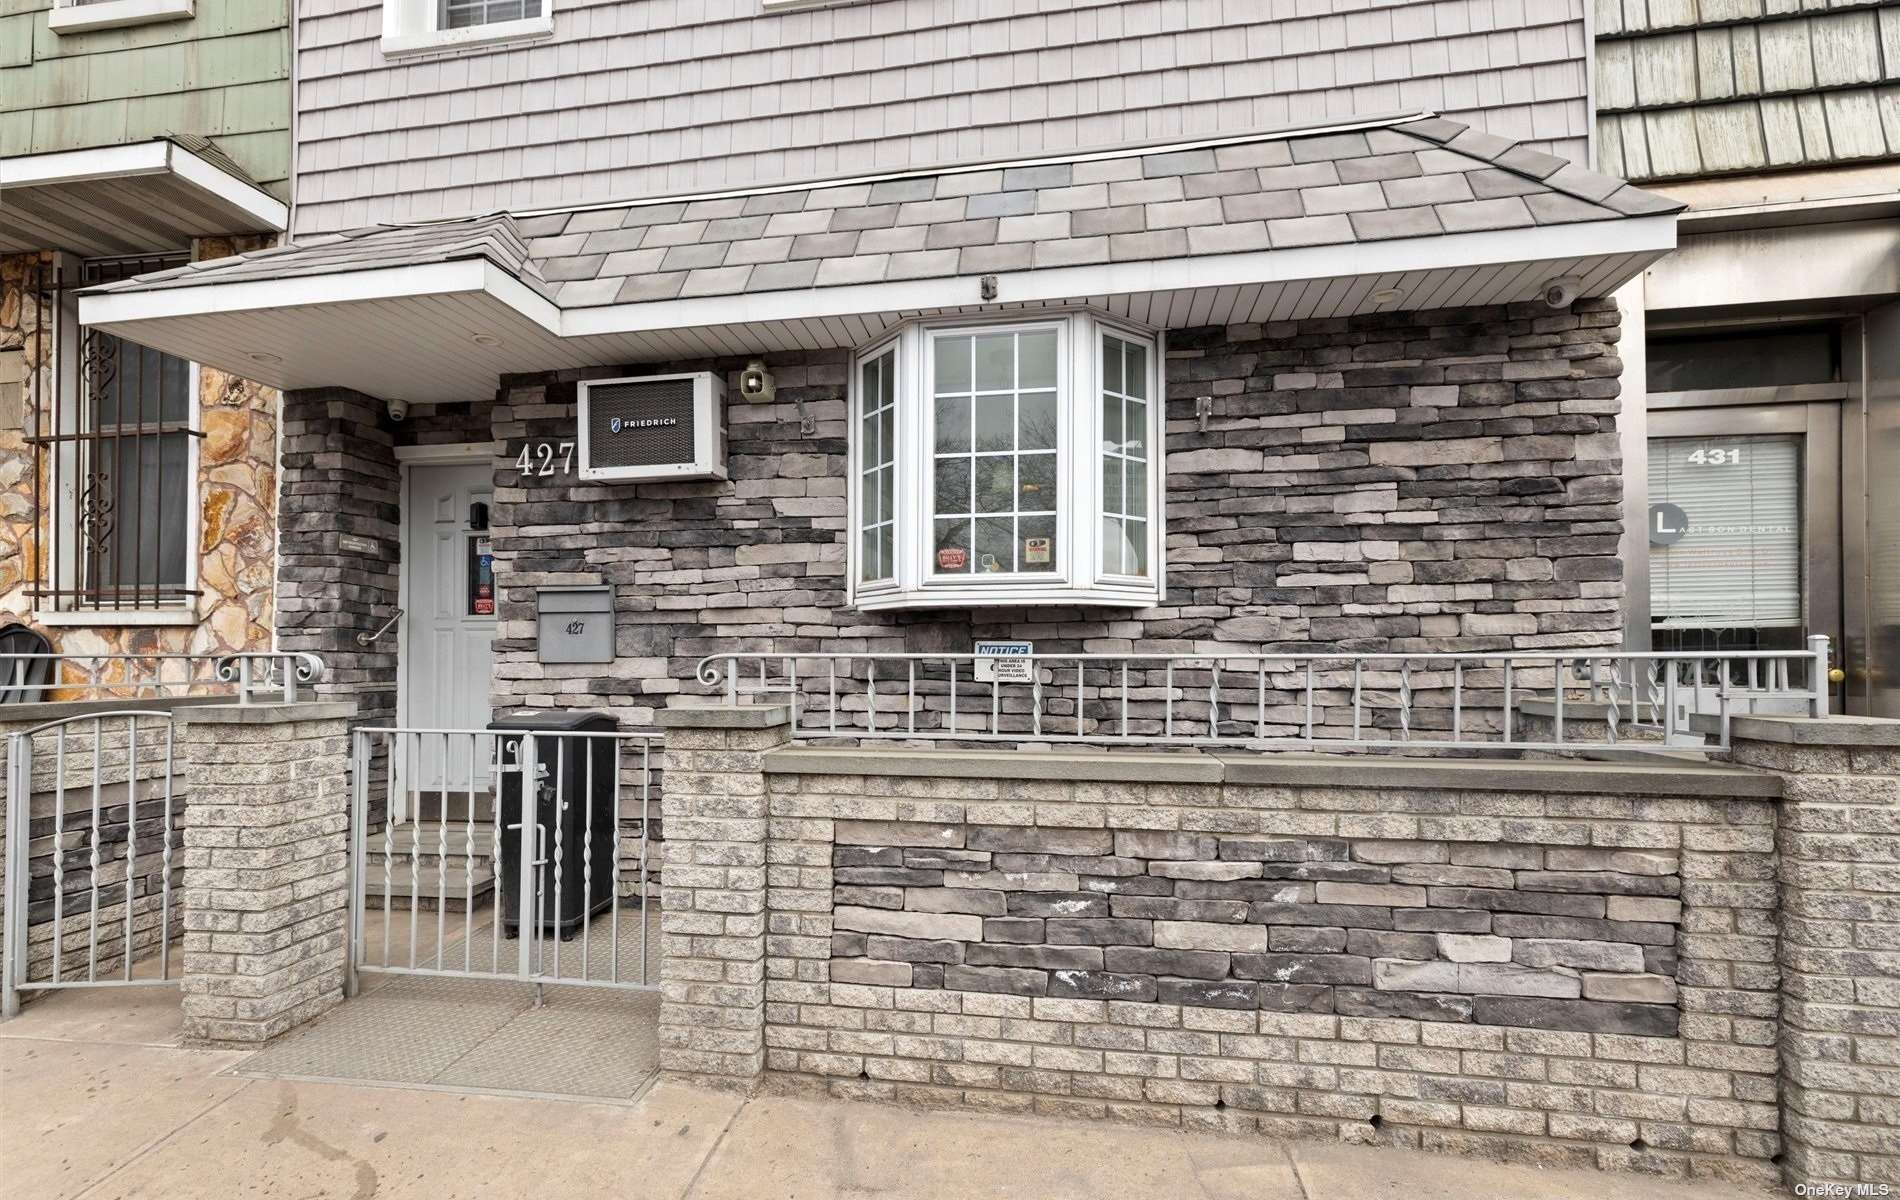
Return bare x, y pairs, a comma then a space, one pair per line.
756, 383
398, 409
1561, 292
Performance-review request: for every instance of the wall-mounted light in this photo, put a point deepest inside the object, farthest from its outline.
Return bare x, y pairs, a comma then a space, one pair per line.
756, 383
1388, 295
484, 339
265, 357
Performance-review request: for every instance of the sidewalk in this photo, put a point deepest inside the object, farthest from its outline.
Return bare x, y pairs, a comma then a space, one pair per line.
96, 1102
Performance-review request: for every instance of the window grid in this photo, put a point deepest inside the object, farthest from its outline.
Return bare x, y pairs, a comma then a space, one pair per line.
1125, 397
974, 534
877, 478
466, 14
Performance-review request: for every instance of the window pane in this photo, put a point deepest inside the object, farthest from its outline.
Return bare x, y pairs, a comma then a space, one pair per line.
995, 362
869, 450
1135, 359
886, 438
1112, 559
1039, 544
995, 484
953, 365
887, 379
1112, 424
886, 493
870, 563
995, 544
1036, 420
1136, 492
1112, 485
995, 423
143, 536
952, 555
1137, 430
1037, 360
1135, 548
886, 554
1036, 481
1111, 364
877, 476
953, 424
953, 485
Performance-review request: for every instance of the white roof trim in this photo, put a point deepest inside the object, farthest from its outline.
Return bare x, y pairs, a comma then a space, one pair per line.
1651, 234
156, 157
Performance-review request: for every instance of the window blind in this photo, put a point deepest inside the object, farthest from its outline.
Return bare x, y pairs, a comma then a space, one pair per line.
1739, 563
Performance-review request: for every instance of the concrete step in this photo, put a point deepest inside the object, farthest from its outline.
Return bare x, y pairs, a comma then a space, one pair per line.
430, 837
432, 887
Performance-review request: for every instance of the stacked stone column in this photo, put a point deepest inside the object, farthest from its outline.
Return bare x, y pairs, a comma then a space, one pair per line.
1838, 846
266, 867
712, 897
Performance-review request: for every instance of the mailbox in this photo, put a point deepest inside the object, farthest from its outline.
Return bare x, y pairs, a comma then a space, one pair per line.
574, 624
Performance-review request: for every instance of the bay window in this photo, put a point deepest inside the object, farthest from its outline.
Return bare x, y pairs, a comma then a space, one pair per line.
1006, 463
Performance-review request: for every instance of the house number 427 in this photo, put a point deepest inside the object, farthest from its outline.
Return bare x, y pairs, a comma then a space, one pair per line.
538, 458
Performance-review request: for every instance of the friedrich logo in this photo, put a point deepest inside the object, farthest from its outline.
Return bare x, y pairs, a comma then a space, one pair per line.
617, 424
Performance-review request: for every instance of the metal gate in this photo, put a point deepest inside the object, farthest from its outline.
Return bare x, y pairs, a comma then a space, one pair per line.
92, 840
461, 870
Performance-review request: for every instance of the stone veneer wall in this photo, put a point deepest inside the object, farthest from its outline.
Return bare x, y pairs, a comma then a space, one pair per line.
236, 493
1447, 480
1558, 937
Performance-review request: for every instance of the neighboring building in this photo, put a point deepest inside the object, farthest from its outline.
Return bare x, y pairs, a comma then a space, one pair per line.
138, 492
1772, 336
1291, 388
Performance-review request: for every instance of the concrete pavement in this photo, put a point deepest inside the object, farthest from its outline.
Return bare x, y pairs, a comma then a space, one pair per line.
97, 1101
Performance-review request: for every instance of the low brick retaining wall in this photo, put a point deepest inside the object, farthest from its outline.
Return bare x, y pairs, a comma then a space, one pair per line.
1560, 962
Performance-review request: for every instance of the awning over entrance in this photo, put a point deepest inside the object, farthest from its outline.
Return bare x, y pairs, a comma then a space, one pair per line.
1396, 213
132, 199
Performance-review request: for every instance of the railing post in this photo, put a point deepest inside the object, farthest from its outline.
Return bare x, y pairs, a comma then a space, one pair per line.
13, 955
1818, 681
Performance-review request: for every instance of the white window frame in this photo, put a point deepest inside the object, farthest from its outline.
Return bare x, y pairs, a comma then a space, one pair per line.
1078, 577
414, 27
83, 16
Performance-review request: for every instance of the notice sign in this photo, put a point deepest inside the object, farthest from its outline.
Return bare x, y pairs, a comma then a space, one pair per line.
1667, 524
1005, 662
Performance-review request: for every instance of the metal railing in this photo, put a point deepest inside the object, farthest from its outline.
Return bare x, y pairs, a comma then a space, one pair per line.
1475, 702
93, 833
252, 677
444, 880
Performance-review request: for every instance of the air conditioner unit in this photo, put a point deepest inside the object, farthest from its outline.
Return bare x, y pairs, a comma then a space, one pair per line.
653, 427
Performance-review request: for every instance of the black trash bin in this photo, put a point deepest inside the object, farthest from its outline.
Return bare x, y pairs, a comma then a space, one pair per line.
574, 778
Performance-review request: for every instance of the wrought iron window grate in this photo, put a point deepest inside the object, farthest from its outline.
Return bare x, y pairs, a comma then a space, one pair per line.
112, 429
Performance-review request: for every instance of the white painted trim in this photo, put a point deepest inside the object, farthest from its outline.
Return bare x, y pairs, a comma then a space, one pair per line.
1651, 234
453, 452
156, 157
81, 618
70, 17
443, 41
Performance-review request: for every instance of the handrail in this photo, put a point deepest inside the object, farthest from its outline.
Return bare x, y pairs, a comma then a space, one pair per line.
1445, 700
369, 639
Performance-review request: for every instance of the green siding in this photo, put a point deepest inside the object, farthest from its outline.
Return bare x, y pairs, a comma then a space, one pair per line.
223, 73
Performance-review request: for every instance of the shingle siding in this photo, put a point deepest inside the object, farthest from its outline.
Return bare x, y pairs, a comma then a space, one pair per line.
634, 99
1722, 86
223, 74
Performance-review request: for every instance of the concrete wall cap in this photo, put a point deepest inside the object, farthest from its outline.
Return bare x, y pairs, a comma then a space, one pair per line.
59, 710
704, 715
268, 714
1285, 770
1810, 731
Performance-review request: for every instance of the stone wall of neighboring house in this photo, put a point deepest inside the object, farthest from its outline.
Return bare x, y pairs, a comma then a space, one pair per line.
235, 489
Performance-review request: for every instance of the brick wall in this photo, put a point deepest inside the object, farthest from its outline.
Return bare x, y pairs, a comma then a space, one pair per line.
1414, 481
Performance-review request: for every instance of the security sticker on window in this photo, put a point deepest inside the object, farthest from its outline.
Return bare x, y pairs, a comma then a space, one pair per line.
1036, 550
481, 577
1005, 662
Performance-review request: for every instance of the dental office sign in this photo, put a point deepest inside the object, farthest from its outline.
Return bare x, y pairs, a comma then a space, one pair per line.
1005, 662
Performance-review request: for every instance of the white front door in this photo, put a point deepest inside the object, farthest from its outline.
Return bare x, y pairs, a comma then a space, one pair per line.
448, 625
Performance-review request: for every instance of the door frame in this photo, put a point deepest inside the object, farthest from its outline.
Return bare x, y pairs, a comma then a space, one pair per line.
451, 455
1821, 425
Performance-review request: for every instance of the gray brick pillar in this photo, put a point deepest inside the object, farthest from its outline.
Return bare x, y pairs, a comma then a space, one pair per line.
1838, 846
266, 866
712, 894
